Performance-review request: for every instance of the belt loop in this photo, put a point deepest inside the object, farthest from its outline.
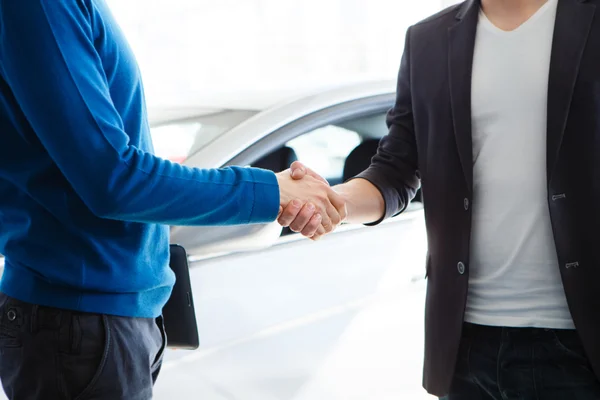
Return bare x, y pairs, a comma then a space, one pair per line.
65, 332
76, 334
34, 319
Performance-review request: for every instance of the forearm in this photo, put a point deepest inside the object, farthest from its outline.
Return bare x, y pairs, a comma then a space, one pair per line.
158, 191
364, 202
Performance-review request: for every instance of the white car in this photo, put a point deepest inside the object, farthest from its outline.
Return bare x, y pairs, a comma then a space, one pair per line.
281, 317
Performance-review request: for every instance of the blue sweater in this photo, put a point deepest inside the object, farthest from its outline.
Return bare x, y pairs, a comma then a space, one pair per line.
84, 203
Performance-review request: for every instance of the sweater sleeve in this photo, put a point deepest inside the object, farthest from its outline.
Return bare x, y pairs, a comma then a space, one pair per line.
50, 63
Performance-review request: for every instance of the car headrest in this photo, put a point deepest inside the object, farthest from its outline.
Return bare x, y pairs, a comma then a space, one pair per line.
359, 159
278, 160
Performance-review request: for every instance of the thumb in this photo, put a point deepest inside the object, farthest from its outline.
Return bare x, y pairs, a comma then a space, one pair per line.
299, 171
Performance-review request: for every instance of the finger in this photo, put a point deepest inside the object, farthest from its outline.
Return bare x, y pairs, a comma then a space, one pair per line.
313, 225
339, 203
326, 219
289, 213
303, 218
319, 234
334, 217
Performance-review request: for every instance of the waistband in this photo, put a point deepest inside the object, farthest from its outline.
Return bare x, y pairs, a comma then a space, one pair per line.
492, 332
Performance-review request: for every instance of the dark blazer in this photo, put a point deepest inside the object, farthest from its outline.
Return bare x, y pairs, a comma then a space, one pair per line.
429, 143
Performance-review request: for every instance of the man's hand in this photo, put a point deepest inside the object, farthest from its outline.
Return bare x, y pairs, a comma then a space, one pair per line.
299, 219
308, 204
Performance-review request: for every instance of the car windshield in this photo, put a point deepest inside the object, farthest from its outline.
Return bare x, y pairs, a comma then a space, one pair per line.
177, 140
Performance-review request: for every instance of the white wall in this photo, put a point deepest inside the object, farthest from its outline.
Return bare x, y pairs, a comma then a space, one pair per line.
447, 3
190, 46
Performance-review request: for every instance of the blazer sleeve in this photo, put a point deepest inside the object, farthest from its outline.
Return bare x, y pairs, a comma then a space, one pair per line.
394, 169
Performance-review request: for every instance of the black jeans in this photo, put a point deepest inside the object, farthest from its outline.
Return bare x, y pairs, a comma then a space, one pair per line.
52, 354
522, 364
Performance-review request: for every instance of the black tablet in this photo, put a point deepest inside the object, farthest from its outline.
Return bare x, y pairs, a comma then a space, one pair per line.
179, 314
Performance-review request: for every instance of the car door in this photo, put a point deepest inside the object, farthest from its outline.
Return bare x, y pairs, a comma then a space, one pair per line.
327, 142
295, 320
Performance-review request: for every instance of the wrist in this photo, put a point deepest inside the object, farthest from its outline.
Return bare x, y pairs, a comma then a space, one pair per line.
283, 197
345, 193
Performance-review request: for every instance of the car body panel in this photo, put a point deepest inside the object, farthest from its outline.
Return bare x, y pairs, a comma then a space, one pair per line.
305, 320
302, 320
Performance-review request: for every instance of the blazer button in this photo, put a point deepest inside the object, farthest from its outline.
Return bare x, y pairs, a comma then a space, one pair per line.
466, 204
461, 268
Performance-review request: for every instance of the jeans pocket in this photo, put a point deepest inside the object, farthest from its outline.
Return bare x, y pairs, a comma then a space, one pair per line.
568, 343
85, 345
9, 339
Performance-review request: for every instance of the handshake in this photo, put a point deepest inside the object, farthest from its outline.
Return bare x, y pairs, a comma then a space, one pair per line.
307, 203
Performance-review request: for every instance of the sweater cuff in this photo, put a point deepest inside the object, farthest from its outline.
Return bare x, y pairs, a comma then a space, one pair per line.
265, 207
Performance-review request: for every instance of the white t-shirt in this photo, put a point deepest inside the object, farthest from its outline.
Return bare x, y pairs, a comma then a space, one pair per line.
514, 276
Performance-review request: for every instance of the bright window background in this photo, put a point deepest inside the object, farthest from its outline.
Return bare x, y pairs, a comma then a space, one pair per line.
191, 47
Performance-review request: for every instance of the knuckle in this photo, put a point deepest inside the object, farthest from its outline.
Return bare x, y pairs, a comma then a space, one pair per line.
306, 215
298, 225
287, 214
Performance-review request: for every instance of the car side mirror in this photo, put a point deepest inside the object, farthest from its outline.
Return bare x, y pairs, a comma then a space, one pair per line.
209, 240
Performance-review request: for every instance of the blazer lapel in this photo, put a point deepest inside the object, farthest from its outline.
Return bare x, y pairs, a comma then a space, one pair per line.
461, 45
573, 23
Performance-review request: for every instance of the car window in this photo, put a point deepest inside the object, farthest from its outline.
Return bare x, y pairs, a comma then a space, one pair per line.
178, 140
328, 149
174, 141
325, 150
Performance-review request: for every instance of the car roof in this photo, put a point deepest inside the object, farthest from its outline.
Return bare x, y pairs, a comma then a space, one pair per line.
189, 106
232, 142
